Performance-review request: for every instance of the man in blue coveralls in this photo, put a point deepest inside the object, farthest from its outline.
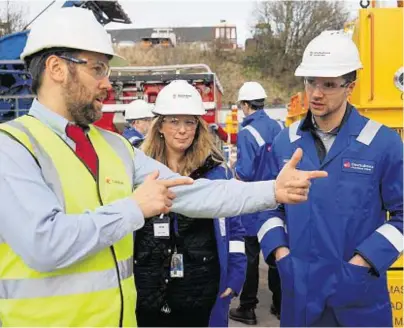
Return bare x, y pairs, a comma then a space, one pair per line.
254, 142
139, 116
333, 251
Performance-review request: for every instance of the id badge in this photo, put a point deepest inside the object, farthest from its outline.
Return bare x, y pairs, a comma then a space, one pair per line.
161, 227
177, 266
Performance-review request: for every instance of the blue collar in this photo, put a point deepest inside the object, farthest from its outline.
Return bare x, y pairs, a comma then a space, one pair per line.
258, 114
53, 120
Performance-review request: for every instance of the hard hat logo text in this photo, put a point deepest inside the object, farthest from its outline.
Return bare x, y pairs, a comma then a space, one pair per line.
184, 96
319, 53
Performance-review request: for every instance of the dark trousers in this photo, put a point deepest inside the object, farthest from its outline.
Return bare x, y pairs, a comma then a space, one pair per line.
274, 285
248, 296
174, 319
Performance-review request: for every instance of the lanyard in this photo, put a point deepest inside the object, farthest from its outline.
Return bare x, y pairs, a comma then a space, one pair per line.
175, 224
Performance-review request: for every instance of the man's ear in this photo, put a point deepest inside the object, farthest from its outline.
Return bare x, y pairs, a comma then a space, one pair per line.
56, 68
351, 88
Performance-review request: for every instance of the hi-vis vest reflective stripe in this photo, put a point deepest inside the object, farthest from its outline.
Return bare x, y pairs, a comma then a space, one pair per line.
99, 290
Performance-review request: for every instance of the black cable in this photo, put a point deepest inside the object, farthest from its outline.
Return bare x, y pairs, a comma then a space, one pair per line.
26, 26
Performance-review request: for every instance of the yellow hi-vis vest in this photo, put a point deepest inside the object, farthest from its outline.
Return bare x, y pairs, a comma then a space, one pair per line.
99, 290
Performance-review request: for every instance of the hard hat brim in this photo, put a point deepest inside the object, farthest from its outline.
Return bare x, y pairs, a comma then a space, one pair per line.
179, 112
129, 117
113, 56
316, 72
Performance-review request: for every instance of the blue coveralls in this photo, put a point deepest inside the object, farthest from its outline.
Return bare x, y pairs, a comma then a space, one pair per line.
133, 135
229, 234
254, 142
345, 214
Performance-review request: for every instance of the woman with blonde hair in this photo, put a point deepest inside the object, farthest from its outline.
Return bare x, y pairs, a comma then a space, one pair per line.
186, 270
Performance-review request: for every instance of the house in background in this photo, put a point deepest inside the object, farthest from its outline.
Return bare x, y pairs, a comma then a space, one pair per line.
223, 34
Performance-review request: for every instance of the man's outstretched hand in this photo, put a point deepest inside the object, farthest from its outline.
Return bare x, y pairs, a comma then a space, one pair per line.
154, 196
292, 185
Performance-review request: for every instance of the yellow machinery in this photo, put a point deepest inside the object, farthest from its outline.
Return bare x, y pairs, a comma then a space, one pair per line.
232, 121
378, 95
379, 92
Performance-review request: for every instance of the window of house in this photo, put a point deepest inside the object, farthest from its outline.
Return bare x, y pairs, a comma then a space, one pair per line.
217, 33
222, 32
228, 33
233, 33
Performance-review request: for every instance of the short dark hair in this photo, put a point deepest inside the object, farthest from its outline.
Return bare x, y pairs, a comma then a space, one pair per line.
37, 62
349, 77
255, 104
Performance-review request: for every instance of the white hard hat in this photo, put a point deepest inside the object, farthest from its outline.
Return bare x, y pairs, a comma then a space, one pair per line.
138, 109
251, 91
72, 27
331, 54
179, 98
113, 108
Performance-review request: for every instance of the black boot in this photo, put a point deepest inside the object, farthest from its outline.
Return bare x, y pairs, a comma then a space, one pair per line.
275, 312
243, 315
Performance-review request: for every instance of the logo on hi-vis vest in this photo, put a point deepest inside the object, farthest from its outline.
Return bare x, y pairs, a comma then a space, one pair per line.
110, 181
358, 166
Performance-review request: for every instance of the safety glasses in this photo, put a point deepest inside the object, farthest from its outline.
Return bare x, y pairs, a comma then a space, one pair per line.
174, 123
326, 87
96, 68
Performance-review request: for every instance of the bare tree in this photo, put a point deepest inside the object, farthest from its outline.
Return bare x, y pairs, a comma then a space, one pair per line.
12, 17
284, 28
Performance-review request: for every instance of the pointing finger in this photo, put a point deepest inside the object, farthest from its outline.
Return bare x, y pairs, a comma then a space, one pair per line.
176, 182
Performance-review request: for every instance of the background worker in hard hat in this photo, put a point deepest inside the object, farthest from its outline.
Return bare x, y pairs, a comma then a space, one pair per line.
68, 205
333, 251
211, 252
254, 142
139, 116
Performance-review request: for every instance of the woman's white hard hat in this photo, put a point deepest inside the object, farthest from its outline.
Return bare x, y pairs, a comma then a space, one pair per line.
179, 98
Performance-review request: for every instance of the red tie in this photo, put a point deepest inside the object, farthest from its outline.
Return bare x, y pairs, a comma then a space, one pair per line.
84, 149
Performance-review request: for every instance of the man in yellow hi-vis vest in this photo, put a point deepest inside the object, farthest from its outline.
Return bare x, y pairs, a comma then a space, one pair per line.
72, 194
